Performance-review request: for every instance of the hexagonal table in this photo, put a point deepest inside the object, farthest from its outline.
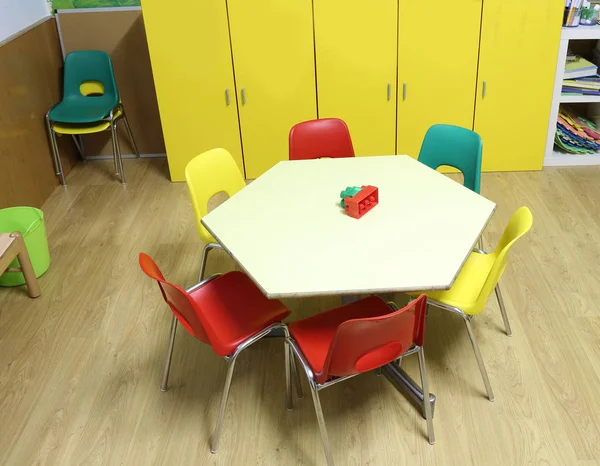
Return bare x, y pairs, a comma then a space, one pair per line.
288, 232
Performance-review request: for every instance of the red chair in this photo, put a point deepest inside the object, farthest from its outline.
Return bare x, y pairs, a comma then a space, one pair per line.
358, 337
314, 139
227, 312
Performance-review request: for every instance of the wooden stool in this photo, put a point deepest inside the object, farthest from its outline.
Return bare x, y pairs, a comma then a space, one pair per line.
11, 246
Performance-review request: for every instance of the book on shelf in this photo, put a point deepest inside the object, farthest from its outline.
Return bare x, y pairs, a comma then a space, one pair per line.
580, 68
577, 91
581, 85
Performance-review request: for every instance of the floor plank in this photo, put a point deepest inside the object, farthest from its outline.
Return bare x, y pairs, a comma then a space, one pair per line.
80, 366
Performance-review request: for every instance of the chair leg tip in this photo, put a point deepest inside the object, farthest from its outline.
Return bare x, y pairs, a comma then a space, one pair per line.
301, 397
163, 389
214, 452
491, 399
431, 442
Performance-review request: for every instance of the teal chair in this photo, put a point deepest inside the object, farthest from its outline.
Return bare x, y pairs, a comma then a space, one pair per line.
456, 147
459, 148
90, 104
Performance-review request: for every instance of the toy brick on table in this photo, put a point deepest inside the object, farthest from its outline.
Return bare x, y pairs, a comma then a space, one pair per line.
362, 202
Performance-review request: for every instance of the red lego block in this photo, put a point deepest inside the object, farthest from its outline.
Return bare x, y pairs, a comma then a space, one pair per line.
362, 202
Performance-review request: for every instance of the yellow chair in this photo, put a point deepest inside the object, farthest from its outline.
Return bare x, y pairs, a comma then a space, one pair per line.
208, 174
476, 281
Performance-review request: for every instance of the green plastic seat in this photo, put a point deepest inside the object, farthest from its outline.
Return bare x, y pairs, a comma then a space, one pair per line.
456, 147
86, 69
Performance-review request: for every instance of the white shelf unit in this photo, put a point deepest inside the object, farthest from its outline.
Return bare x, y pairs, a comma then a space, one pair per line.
553, 157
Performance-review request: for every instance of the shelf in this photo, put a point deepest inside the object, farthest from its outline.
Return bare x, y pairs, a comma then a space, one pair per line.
581, 32
579, 99
561, 159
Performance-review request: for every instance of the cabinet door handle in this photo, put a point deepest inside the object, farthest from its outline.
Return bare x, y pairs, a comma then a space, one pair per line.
389, 91
227, 99
243, 96
484, 91
404, 86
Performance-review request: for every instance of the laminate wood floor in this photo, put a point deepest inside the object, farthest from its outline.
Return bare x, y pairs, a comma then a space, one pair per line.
80, 367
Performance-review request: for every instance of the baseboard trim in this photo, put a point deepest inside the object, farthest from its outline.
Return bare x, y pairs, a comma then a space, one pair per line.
125, 156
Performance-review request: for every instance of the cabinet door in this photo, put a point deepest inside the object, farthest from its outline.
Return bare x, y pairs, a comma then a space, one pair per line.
437, 68
191, 63
517, 64
356, 69
273, 56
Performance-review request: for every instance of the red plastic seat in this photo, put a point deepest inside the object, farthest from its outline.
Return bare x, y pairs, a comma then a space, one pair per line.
227, 312
355, 338
328, 137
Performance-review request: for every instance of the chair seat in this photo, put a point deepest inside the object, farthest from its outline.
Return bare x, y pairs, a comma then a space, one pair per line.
81, 110
468, 284
236, 309
85, 128
315, 334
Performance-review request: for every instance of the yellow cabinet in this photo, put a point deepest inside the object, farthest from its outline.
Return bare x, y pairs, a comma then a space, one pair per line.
356, 69
437, 68
191, 63
517, 64
273, 58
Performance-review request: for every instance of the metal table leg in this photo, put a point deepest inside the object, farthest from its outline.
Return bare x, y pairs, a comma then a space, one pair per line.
405, 384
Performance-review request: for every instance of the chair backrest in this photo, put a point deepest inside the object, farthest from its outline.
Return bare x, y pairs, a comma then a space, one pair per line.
519, 224
456, 147
315, 139
180, 302
89, 83
208, 174
361, 345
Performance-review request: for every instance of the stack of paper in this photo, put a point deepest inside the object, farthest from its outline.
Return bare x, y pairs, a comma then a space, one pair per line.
576, 134
580, 68
582, 86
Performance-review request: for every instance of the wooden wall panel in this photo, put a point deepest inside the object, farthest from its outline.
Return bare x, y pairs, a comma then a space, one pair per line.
121, 34
30, 83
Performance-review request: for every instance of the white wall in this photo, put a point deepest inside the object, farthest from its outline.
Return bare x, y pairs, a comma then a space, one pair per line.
16, 15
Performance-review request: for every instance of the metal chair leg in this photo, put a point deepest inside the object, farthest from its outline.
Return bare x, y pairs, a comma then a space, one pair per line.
207, 249
128, 128
427, 405
288, 383
503, 310
165, 380
118, 151
78, 144
217, 433
296, 372
322, 427
480, 243
113, 134
293, 367
480, 363
54, 146
399, 362
50, 131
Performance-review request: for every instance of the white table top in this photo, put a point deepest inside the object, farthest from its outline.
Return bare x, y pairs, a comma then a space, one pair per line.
288, 232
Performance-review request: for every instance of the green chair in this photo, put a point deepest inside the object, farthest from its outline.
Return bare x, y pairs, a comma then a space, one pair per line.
90, 104
456, 147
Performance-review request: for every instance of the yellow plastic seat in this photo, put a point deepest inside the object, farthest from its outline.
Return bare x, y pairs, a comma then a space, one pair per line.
76, 129
476, 281
208, 174
465, 292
